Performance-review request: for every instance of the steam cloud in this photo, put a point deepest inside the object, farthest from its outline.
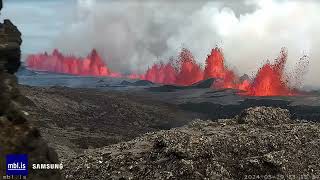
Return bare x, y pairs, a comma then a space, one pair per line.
132, 35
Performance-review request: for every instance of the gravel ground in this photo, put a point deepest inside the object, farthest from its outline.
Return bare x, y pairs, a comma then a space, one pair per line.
260, 143
72, 120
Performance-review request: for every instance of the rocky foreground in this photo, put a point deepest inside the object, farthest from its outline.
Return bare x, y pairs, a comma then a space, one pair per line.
72, 120
260, 143
18, 135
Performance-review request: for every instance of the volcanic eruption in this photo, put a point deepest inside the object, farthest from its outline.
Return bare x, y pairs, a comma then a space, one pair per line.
92, 65
270, 79
216, 68
184, 71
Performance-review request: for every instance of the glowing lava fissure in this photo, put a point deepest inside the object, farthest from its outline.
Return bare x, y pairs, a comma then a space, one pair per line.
270, 80
216, 68
92, 65
184, 71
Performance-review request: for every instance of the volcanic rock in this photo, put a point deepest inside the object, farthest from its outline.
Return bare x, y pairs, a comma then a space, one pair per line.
205, 83
126, 83
167, 88
10, 42
244, 77
90, 118
264, 116
17, 135
223, 149
23, 71
143, 83
171, 88
137, 83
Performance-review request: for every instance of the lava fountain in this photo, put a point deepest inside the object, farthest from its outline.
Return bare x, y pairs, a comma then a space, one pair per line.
216, 68
184, 71
189, 71
92, 65
164, 73
270, 80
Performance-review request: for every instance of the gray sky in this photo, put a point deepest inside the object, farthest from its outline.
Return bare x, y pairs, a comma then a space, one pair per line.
133, 34
40, 21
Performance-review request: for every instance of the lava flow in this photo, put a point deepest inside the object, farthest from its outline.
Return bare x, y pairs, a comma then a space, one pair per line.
270, 80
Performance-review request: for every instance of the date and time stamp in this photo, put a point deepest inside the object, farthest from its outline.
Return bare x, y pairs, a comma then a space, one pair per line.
290, 177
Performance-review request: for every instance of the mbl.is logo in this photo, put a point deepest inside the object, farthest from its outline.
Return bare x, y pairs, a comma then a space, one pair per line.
17, 164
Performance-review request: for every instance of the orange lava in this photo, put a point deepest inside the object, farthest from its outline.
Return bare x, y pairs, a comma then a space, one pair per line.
161, 73
216, 68
189, 71
270, 80
92, 65
185, 71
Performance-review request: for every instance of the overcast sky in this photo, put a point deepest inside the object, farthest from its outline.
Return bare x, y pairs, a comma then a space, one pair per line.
41, 21
133, 34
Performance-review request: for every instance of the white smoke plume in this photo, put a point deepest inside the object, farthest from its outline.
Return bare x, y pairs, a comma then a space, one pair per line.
132, 35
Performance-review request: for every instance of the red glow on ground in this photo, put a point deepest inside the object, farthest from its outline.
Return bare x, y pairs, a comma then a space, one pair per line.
269, 81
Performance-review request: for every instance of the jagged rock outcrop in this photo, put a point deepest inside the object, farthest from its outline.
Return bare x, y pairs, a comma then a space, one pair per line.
253, 145
17, 136
10, 42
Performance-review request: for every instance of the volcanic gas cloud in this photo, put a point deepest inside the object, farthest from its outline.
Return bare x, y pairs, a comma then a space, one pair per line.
270, 80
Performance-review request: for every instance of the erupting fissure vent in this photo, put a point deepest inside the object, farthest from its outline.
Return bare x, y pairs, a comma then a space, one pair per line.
270, 80
92, 65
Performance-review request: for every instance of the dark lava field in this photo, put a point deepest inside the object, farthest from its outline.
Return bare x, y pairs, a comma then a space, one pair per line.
198, 98
94, 120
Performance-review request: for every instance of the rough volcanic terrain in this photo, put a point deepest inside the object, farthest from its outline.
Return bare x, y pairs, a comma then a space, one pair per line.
72, 120
109, 128
260, 143
198, 98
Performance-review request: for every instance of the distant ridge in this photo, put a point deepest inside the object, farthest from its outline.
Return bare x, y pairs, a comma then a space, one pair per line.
137, 83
